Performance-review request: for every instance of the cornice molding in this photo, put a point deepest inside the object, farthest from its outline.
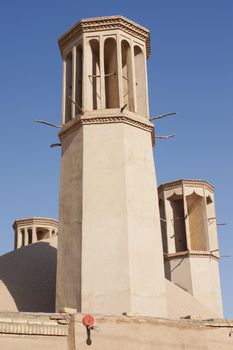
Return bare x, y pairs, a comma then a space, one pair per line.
106, 23
187, 183
79, 121
35, 221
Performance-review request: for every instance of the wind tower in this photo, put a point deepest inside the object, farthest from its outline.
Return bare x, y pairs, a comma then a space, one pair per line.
190, 240
110, 258
32, 230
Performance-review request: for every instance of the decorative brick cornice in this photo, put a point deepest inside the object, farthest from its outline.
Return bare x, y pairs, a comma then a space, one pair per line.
190, 253
187, 183
35, 221
81, 120
106, 23
36, 326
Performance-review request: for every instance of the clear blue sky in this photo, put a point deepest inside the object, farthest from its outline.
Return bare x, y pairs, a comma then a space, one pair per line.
190, 72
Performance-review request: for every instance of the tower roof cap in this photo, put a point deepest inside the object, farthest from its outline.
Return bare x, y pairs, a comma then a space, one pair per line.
35, 220
106, 23
186, 182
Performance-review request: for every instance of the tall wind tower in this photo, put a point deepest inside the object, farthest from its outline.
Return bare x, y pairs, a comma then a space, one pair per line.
110, 258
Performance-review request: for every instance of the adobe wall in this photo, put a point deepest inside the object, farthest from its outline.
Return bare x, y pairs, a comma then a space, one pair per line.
134, 333
25, 331
29, 342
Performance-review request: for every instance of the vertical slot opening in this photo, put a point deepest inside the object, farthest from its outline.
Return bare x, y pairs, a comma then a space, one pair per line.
94, 75
42, 233
29, 236
23, 237
16, 239
68, 108
110, 71
178, 220
140, 75
127, 75
197, 224
163, 225
79, 79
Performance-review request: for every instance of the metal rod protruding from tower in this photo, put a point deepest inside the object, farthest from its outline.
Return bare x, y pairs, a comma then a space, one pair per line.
165, 137
76, 104
47, 123
122, 108
162, 116
55, 145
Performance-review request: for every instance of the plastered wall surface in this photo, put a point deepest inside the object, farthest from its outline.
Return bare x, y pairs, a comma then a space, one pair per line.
110, 238
68, 287
138, 333
205, 277
37, 331
64, 332
27, 342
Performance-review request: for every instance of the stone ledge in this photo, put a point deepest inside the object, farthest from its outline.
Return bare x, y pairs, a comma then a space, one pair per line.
103, 117
213, 322
190, 253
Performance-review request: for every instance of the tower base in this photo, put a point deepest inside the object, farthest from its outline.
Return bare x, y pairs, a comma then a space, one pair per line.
109, 251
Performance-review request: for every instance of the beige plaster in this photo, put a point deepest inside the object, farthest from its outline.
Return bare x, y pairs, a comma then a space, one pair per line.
182, 304
35, 290
109, 200
63, 332
26, 331
133, 333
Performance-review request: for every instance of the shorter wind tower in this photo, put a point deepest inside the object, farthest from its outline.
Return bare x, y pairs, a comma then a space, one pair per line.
190, 241
110, 258
32, 230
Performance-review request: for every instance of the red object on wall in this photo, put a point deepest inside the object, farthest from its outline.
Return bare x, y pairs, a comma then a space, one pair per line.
88, 320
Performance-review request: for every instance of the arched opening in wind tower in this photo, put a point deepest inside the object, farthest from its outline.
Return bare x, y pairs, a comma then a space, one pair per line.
29, 236
23, 237
42, 233
79, 80
127, 75
68, 94
197, 222
110, 71
93, 68
178, 222
163, 225
140, 75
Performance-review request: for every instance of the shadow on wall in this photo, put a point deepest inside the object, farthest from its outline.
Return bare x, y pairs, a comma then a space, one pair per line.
29, 274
